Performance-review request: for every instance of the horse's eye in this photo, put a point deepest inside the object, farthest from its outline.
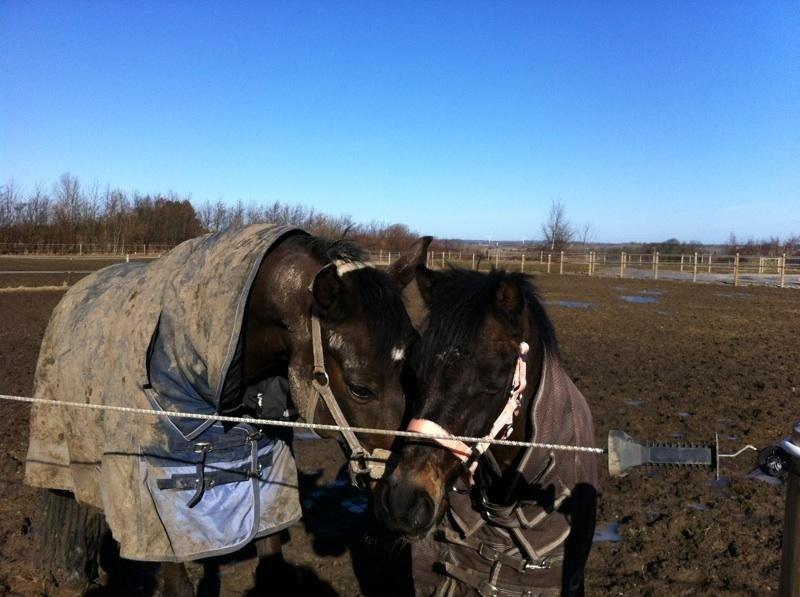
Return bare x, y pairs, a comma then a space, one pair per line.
361, 392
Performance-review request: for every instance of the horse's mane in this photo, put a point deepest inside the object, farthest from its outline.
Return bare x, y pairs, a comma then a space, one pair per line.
332, 250
379, 295
459, 303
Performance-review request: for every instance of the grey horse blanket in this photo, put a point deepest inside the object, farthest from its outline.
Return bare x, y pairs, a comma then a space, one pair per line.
165, 335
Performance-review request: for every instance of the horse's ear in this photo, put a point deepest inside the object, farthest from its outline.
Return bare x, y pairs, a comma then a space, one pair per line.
508, 298
403, 270
426, 279
417, 295
328, 290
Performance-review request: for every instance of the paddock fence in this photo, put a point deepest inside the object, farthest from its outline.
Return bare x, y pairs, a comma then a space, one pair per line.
119, 249
736, 269
70, 260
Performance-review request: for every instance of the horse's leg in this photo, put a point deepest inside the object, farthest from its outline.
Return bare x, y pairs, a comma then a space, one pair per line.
69, 540
272, 570
175, 580
582, 516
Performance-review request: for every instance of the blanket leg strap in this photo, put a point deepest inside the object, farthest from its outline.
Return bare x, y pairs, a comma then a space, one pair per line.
485, 588
201, 449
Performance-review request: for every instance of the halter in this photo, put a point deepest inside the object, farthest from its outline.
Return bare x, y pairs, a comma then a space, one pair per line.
501, 428
362, 463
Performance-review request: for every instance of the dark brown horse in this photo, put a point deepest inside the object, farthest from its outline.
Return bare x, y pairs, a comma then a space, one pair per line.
316, 315
366, 335
522, 522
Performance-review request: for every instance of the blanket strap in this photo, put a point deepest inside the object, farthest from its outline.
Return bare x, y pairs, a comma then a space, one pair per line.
201, 449
489, 587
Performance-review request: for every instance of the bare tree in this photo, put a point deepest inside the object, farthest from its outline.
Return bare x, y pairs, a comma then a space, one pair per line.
557, 231
586, 234
733, 243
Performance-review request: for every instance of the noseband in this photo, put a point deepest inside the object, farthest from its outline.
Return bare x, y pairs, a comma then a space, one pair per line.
501, 428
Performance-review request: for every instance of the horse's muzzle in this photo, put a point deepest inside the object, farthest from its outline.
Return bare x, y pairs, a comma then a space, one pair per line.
405, 507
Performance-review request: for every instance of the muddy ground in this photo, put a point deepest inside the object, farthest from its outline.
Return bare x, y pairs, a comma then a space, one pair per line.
676, 362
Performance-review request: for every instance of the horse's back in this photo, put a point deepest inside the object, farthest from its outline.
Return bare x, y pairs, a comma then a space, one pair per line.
89, 327
187, 307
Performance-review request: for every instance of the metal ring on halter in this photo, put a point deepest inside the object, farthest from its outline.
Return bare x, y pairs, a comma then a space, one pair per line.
321, 377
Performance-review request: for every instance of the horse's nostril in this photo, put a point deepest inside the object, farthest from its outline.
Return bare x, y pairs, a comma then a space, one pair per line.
422, 511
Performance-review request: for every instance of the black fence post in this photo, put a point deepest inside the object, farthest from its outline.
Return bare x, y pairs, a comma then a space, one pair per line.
790, 566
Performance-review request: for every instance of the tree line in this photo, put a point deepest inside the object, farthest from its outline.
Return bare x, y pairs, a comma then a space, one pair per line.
70, 215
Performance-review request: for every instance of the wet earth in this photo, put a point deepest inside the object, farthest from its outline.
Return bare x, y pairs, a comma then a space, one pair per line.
677, 363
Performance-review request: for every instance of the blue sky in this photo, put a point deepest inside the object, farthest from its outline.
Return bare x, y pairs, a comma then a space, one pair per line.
648, 120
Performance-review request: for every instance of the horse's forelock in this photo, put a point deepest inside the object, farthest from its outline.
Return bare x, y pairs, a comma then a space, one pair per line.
382, 306
460, 303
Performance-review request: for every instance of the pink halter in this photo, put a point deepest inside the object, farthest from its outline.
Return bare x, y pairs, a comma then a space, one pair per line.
501, 429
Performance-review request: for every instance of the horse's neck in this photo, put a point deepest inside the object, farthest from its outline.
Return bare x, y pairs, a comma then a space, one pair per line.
279, 309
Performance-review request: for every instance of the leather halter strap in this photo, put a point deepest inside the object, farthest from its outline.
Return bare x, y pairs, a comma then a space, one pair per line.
501, 428
362, 463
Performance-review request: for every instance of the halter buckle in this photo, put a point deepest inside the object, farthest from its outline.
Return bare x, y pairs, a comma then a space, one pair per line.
359, 468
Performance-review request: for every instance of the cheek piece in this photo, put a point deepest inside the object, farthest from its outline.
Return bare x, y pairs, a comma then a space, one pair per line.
501, 428
364, 465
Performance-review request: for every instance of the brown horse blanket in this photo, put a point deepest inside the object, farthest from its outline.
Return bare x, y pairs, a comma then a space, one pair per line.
165, 335
478, 546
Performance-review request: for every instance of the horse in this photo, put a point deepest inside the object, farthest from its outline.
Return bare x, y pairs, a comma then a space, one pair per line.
211, 320
490, 520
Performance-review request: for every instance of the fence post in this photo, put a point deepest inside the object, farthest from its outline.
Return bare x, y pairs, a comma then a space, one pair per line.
561, 264
522, 267
622, 265
681, 262
760, 265
442, 259
783, 269
473, 261
694, 271
790, 564
709, 263
548, 262
736, 270
497, 258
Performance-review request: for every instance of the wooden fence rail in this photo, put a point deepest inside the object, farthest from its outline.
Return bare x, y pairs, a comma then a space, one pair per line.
694, 267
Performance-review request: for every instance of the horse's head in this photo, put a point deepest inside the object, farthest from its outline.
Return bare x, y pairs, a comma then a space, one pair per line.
365, 336
465, 364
